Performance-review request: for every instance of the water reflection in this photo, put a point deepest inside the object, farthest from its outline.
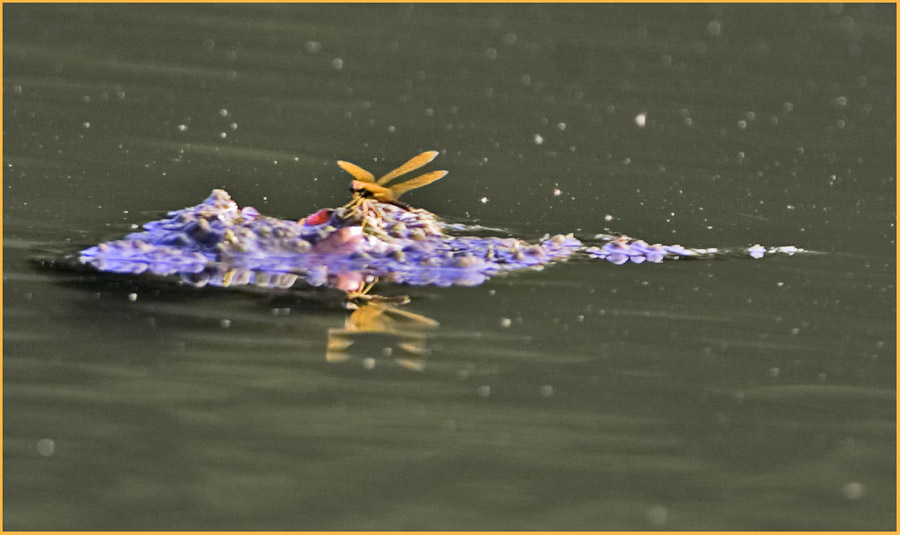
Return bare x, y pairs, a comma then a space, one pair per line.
407, 330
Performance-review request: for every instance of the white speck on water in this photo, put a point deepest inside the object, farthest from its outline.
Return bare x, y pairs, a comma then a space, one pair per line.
526, 79
337, 63
387, 351
225, 323
854, 490
505, 322
657, 515
557, 192
607, 217
391, 128
641, 119
780, 284
840, 101
223, 112
86, 124
223, 135
490, 53
312, 47
714, 27
547, 391
233, 126
561, 126
132, 297
774, 372
182, 127
368, 363
795, 331
484, 200
538, 139
46, 446
484, 391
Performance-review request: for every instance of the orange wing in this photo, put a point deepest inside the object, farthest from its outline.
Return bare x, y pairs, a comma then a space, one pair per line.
410, 166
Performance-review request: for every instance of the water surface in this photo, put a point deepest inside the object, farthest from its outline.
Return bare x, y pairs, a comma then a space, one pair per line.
741, 395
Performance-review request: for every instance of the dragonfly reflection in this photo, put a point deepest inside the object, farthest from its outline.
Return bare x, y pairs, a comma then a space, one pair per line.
407, 330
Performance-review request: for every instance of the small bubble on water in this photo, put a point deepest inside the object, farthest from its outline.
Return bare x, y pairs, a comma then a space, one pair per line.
484, 200
337, 63
657, 515
854, 490
46, 446
484, 391
505, 322
132, 297
538, 139
182, 127
225, 323
641, 119
547, 391
369, 363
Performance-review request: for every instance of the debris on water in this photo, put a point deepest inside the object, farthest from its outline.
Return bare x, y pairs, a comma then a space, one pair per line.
374, 237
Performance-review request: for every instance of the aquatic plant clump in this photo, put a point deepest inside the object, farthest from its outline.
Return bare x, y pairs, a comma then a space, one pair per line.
373, 237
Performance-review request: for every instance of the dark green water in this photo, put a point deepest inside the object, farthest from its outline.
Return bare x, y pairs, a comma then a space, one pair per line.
700, 395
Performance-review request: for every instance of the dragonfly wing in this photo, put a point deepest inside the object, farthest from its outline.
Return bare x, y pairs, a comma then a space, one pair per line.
418, 182
358, 172
409, 166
